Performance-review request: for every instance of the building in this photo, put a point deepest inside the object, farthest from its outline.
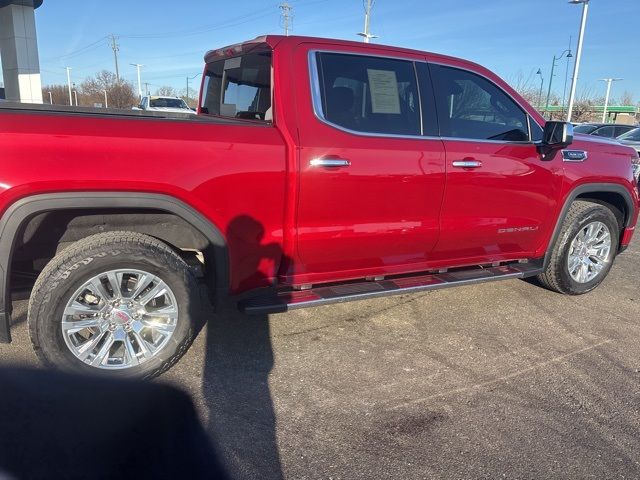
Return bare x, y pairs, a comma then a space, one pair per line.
19, 51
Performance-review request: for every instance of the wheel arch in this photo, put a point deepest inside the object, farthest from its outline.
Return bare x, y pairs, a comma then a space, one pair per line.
21, 211
610, 194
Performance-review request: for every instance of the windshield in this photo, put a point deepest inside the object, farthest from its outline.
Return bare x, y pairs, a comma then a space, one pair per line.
168, 103
584, 128
633, 135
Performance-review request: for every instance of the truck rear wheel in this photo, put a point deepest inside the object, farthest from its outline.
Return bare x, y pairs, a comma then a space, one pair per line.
583, 253
117, 303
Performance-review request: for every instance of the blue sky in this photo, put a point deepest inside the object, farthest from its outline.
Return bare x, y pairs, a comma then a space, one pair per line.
512, 37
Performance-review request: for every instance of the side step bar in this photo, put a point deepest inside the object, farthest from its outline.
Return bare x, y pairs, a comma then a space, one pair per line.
277, 302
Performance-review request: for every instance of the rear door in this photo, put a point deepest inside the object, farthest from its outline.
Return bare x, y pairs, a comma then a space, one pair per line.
371, 184
500, 195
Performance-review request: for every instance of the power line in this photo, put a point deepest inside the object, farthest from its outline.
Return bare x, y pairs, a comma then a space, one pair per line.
74, 53
286, 16
264, 12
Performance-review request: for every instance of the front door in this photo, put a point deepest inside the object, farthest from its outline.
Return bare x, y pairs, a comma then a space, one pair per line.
371, 185
500, 195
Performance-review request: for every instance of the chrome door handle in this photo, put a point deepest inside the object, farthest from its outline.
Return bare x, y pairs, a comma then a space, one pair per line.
329, 162
467, 163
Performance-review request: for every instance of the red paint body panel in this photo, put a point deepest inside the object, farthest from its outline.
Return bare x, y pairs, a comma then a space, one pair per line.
233, 175
500, 209
400, 207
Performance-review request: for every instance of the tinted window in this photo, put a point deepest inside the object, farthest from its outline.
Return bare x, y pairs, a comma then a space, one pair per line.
369, 94
239, 87
622, 130
470, 106
587, 129
604, 132
633, 135
168, 103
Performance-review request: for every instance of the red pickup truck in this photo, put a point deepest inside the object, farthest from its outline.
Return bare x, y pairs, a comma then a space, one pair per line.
316, 171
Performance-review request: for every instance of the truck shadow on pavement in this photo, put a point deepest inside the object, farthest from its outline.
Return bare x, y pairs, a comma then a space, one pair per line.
235, 387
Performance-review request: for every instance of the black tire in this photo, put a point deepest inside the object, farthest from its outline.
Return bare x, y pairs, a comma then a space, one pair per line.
97, 254
556, 277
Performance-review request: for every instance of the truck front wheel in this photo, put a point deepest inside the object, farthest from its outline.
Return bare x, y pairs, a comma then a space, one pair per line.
583, 253
116, 303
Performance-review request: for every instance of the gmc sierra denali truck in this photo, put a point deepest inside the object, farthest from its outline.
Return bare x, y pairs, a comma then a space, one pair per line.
316, 171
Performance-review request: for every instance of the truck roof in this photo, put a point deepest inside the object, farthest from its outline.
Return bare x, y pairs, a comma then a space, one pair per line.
274, 40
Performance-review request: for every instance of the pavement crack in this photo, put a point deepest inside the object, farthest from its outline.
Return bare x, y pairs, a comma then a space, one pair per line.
503, 378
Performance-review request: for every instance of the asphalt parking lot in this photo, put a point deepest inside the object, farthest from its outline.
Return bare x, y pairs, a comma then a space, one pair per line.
502, 380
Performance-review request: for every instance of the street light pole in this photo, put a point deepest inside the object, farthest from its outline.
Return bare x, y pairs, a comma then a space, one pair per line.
106, 102
566, 76
138, 65
539, 72
606, 98
50, 98
75, 94
553, 66
69, 84
576, 67
366, 35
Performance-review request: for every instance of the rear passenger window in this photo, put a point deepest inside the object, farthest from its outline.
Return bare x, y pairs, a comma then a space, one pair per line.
470, 106
369, 94
239, 87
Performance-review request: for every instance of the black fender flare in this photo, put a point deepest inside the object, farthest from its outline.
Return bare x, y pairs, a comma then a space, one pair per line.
25, 208
590, 188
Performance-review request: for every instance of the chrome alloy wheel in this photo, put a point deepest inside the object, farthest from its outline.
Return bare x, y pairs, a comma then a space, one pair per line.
589, 252
119, 319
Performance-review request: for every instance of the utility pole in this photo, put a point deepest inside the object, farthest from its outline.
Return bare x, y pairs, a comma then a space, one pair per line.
287, 17
576, 66
69, 85
367, 20
138, 65
116, 48
606, 98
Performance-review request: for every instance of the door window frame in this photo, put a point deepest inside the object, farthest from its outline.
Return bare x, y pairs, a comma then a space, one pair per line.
316, 95
318, 111
514, 100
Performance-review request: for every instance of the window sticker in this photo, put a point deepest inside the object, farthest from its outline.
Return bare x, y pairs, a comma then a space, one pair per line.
385, 97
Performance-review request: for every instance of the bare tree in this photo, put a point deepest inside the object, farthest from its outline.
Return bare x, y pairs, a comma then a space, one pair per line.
166, 91
59, 94
120, 94
626, 98
192, 99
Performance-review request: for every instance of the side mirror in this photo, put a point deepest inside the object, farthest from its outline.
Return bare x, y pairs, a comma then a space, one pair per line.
556, 135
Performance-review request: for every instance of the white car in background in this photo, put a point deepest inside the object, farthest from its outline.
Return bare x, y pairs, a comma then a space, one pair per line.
155, 103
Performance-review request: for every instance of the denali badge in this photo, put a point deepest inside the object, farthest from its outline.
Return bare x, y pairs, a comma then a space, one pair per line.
517, 229
574, 155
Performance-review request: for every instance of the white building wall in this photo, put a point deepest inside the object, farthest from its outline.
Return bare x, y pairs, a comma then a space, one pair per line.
19, 52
